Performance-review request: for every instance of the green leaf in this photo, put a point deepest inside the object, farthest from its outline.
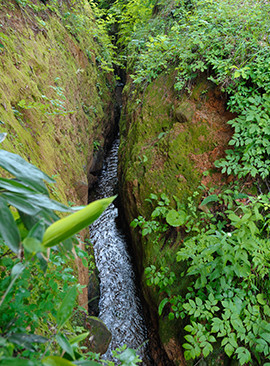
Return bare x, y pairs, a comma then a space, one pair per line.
260, 299
32, 245
128, 357
37, 231
229, 349
66, 308
20, 168
176, 218
32, 203
212, 198
72, 224
244, 355
17, 269
65, 345
56, 361
76, 340
21, 203
14, 186
265, 336
207, 349
26, 340
8, 228
161, 305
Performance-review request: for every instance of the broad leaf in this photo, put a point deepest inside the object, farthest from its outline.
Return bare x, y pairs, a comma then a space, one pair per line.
21, 202
212, 198
56, 361
20, 168
8, 228
14, 186
17, 269
26, 340
176, 218
65, 345
72, 224
37, 231
32, 203
66, 308
32, 245
128, 357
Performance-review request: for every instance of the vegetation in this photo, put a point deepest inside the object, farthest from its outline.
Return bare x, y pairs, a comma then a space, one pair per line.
38, 286
224, 247
228, 41
224, 240
226, 255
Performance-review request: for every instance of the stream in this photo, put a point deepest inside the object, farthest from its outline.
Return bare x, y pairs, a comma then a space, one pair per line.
120, 306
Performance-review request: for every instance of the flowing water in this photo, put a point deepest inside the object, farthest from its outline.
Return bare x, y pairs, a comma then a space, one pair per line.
120, 306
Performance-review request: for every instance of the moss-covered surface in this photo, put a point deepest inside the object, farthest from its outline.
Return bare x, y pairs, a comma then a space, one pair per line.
168, 141
55, 102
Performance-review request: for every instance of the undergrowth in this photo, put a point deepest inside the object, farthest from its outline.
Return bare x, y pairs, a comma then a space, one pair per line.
226, 257
227, 41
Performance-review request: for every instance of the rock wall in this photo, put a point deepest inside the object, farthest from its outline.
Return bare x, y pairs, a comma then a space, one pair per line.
168, 141
56, 100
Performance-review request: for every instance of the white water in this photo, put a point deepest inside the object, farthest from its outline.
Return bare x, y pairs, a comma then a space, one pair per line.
120, 306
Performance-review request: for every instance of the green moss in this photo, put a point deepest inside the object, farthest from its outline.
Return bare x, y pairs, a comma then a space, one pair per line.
166, 144
46, 65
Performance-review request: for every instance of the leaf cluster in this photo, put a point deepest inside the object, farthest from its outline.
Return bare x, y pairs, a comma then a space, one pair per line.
228, 43
227, 254
38, 288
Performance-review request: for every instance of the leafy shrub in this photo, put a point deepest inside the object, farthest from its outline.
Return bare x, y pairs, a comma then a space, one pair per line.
38, 289
228, 42
227, 256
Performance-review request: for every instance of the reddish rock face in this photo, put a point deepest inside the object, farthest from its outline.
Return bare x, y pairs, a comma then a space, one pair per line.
168, 142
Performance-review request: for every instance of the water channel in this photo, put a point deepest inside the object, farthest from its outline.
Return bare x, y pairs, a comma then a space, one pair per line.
120, 306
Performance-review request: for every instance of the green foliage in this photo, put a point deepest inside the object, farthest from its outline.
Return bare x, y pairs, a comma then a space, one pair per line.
227, 257
38, 289
47, 105
228, 42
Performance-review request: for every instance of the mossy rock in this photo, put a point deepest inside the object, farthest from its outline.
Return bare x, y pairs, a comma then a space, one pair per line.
100, 336
167, 143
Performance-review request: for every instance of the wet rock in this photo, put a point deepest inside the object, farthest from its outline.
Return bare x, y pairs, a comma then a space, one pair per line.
93, 293
100, 336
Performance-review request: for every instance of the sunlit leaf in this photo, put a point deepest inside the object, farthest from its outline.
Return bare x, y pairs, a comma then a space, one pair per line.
176, 218
128, 357
56, 361
72, 224
32, 245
